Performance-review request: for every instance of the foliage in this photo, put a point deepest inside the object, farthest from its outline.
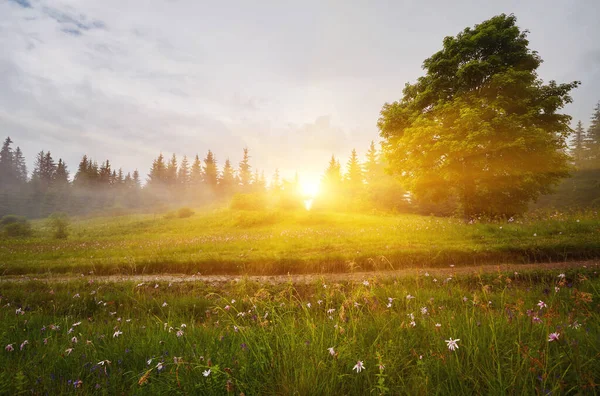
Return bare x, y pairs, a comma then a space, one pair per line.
59, 224
15, 226
480, 125
169, 337
184, 213
248, 201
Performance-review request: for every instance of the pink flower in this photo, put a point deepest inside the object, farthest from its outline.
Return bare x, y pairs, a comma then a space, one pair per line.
331, 351
23, 344
553, 337
9, 348
542, 304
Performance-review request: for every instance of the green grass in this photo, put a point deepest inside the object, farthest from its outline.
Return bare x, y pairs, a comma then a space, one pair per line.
244, 242
259, 339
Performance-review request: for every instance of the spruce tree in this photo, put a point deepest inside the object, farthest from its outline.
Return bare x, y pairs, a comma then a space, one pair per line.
578, 151
183, 175
592, 143
210, 171
171, 171
158, 171
227, 180
196, 176
245, 171
354, 173
21, 167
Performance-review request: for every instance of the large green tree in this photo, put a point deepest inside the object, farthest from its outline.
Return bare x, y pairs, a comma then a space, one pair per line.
481, 125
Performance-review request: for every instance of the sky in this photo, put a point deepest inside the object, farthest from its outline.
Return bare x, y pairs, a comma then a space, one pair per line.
295, 82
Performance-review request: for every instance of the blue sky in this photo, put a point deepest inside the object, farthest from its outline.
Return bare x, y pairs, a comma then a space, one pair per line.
293, 81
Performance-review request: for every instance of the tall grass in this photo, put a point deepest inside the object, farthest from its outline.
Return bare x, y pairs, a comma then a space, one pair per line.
275, 339
255, 242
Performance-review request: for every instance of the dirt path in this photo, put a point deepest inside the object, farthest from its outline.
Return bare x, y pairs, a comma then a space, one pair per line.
309, 278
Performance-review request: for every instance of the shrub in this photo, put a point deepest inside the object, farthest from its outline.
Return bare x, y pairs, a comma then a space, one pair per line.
15, 226
248, 202
59, 223
169, 215
184, 213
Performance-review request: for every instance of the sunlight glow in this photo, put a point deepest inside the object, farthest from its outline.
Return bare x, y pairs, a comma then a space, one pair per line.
309, 188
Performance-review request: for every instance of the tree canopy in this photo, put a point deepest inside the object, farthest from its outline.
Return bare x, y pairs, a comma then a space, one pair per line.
480, 126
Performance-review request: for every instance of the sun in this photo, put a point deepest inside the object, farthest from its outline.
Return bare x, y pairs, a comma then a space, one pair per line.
309, 188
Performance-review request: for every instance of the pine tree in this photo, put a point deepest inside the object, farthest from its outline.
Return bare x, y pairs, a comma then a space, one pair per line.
276, 184
578, 150
105, 174
210, 170
20, 165
196, 176
592, 144
120, 180
183, 175
371, 166
137, 183
332, 179
245, 171
8, 171
82, 177
227, 180
171, 171
158, 171
61, 176
354, 174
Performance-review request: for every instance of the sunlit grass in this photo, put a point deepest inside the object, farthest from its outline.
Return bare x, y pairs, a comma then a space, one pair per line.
277, 242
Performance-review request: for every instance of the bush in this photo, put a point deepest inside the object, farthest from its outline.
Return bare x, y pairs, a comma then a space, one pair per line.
169, 215
59, 223
248, 202
15, 226
184, 213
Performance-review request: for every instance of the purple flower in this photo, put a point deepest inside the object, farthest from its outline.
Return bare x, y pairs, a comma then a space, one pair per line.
553, 337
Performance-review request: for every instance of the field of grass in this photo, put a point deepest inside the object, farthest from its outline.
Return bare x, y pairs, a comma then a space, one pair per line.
244, 242
516, 333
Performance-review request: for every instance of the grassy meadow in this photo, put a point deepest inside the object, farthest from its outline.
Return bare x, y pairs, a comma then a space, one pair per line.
224, 241
515, 333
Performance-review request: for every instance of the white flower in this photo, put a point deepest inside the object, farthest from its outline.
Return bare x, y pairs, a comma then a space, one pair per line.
424, 310
156, 286
331, 351
76, 296
438, 325
9, 348
159, 366
556, 289
68, 351
308, 305
233, 301
452, 344
103, 362
426, 273
23, 344
74, 340
179, 333
330, 311
183, 326
359, 366
75, 324
117, 333
140, 284
206, 373
413, 323
164, 304
409, 297
389, 305
366, 283
561, 276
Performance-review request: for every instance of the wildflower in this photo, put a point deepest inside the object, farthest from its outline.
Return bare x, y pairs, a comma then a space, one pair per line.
424, 310
159, 366
68, 351
359, 366
465, 299
331, 351
381, 367
45, 341
553, 337
149, 362
452, 344
324, 286
164, 304
183, 326
9, 348
236, 329
206, 373
320, 302
233, 301
70, 330
74, 340
76, 296
308, 305
78, 383
411, 316
409, 297
536, 319
75, 324
561, 276
227, 308
23, 344
534, 234
102, 362
117, 333
356, 304
366, 283
140, 284
389, 305
413, 323
426, 273
435, 280
556, 289
576, 325
542, 304
19, 311
156, 286
179, 333
438, 325
330, 311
